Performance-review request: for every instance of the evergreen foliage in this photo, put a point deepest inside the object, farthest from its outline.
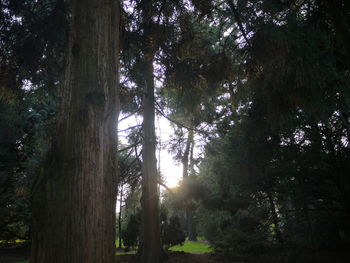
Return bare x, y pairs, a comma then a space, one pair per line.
32, 37
131, 233
275, 174
171, 230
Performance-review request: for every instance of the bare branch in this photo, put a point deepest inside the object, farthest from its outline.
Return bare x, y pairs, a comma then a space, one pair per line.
131, 127
166, 187
129, 115
239, 22
179, 123
129, 147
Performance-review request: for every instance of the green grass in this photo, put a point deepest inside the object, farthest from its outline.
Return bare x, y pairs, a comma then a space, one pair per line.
12, 241
188, 246
117, 243
126, 253
122, 246
192, 247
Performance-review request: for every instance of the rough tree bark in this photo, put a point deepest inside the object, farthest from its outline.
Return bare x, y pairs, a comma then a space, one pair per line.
120, 216
186, 154
74, 197
190, 223
150, 248
151, 245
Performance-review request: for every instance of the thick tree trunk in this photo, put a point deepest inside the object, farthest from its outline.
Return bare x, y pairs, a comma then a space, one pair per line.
191, 225
151, 245
74, 198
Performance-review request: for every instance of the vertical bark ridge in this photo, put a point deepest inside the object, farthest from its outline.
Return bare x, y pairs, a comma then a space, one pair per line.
74, 202
151, 246
186, 158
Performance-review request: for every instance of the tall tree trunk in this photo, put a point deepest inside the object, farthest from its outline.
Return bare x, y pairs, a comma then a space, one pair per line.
306, 213
275, 218
120, 216
150, 249
186, 154
74, 197
151, 245
192, 171
190, 224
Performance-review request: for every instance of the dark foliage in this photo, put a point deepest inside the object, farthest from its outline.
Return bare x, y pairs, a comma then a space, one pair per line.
172, 232
32, 37
131, 234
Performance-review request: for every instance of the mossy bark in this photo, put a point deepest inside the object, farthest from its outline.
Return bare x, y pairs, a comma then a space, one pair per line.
74, 198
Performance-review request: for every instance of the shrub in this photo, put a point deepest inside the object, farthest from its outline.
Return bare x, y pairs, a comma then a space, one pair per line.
130, 235
172, 232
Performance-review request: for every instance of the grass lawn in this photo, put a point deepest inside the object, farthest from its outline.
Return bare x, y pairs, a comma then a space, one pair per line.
117, 243
192, 247
188, 246
10, 242
126, 253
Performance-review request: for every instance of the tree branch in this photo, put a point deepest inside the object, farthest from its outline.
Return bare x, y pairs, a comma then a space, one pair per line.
129, 147
239, 22
129, 115
166, 187
179, 123
131, 127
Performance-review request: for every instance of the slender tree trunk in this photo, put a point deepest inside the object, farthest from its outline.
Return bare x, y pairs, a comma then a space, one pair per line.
151, 245
74, 197
120, 216
186, 154
190, 224
306, 212
192, 171
150, 249
275, 218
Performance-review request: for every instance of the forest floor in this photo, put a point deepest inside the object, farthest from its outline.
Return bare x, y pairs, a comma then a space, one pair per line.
14, 255
178, 257
22, 256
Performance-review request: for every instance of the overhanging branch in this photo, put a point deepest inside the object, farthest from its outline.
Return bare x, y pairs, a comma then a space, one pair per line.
179, 123
239, 22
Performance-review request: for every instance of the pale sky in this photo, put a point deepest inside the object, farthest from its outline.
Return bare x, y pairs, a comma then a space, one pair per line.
171, 172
